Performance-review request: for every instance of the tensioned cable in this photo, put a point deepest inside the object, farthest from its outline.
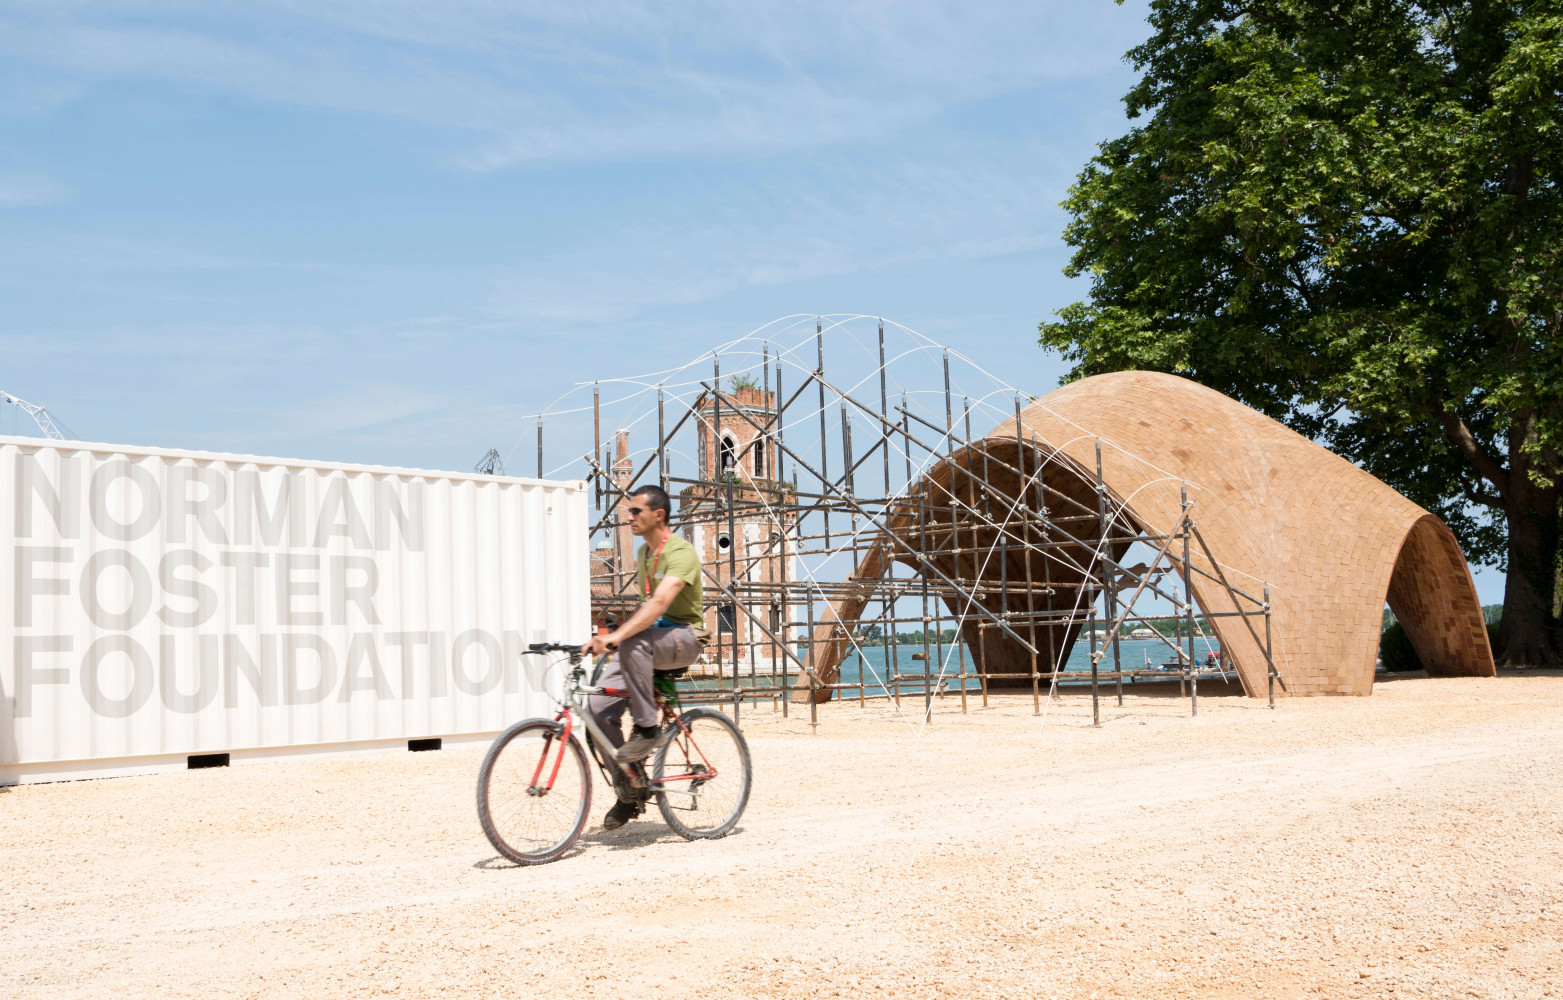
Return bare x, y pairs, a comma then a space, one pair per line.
639, 398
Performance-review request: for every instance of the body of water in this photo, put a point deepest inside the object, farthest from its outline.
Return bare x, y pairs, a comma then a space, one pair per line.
1136, 654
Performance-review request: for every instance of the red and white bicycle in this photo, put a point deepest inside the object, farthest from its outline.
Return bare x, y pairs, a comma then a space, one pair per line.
535, 790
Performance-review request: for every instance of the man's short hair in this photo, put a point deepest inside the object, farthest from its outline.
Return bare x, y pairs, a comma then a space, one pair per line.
656, 499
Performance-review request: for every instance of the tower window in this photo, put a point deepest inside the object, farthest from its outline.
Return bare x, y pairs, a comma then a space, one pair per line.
726, 618
724, 455
759, 458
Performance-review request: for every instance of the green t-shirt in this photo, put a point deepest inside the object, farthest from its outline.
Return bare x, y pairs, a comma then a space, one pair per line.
678, 558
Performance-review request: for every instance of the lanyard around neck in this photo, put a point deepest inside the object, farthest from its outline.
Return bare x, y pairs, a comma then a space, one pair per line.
652, 571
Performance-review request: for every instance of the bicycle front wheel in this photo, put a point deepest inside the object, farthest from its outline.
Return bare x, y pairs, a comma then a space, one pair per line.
534, 792
702, 776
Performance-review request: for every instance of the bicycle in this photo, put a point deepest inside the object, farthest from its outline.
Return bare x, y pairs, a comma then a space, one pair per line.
535, 790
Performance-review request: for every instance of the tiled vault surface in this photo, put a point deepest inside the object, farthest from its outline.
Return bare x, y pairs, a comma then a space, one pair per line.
1330, 540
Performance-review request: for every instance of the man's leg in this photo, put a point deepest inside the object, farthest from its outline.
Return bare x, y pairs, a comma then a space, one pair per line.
608, 712
636, 660
679, 648
639, 656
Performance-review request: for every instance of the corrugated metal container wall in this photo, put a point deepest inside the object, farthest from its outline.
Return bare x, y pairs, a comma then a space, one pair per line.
174, 603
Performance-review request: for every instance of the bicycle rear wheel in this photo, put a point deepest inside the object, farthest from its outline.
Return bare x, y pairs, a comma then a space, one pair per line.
702, 777
534, 792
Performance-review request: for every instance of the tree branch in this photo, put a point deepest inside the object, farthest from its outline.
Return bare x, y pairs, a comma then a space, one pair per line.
1480, 496
1461, 437
1300, 283
1339, 405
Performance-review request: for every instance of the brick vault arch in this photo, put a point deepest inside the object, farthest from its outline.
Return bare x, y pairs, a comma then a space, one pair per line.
1332, 542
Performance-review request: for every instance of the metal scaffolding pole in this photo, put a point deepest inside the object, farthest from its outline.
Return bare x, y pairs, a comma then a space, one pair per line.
1188, 607
962, 543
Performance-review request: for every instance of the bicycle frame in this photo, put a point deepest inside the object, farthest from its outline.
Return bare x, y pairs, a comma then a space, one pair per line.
573, 704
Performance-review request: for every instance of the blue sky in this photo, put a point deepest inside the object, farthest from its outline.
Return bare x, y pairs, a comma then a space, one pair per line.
382, 232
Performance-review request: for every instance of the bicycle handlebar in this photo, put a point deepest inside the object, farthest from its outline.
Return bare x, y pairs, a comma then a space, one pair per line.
560, 647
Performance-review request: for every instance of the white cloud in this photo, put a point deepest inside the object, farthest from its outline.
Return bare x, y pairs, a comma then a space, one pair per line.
767, 225
113, 252
346, 411
21, 190
562, 81
841, 216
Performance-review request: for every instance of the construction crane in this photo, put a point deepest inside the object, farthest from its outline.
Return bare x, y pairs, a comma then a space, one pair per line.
40, 416
490, 464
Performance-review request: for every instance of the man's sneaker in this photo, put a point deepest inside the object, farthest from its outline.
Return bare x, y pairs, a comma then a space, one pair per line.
639, 746
621, 813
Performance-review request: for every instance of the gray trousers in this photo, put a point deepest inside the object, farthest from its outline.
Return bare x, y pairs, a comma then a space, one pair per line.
638, 658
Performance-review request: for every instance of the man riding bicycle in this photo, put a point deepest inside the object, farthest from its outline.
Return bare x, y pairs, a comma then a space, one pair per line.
660, 635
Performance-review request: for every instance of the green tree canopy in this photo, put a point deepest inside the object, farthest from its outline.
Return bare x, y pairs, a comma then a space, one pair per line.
1348, 216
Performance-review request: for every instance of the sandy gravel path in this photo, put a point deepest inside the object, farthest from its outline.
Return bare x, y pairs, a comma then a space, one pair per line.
1409, 844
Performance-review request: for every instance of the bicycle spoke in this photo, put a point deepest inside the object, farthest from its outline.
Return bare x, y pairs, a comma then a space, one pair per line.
525, 818
702, 776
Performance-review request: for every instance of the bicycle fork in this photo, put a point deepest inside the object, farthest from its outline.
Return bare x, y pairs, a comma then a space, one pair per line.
562, 739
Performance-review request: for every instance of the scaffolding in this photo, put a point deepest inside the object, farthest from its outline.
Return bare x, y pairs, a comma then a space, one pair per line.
833, 508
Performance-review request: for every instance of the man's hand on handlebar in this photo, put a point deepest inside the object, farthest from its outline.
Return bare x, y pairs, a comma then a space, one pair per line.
598, 646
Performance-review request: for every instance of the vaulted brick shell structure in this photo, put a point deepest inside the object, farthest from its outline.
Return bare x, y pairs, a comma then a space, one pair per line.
1330, 541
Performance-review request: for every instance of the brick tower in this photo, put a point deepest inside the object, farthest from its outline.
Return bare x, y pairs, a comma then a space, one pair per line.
740, 523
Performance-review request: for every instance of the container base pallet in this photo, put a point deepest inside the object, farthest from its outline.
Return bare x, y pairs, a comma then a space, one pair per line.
41, 772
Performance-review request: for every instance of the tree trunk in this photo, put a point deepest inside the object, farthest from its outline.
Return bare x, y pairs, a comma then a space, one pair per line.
1529, 635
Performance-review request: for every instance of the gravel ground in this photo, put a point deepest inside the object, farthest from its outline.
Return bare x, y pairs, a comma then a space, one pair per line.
1402, 845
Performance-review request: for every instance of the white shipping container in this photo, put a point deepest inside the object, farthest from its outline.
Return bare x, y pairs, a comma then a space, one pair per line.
164, 604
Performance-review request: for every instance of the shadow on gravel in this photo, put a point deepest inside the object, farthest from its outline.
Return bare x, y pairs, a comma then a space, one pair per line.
1530, 671
1422, 675
629, 838
501, 864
